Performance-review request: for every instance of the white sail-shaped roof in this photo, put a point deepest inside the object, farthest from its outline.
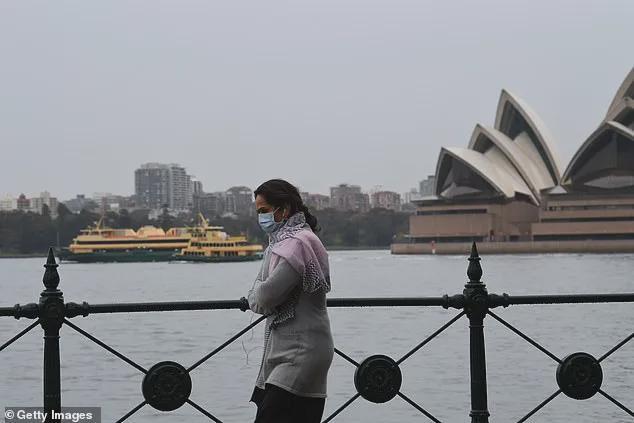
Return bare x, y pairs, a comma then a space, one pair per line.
518, 122
530, 168
604, 161
625, 90
463, 172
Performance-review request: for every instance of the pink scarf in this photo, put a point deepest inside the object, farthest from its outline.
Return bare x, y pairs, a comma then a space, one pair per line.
302, 249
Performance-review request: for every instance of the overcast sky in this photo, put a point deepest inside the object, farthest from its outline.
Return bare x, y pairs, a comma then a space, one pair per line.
318, 92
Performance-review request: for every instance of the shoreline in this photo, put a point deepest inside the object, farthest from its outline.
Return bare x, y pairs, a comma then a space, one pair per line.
22, 255
518, 247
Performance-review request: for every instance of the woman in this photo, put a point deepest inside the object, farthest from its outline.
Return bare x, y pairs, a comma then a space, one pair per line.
290, 290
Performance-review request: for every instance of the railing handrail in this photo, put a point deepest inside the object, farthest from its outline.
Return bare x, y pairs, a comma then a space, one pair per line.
493, 300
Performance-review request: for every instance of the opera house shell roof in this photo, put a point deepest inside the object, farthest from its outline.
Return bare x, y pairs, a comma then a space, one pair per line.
605, 161
517, 159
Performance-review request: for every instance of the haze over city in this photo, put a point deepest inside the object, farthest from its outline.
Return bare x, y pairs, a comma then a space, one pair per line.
319, 93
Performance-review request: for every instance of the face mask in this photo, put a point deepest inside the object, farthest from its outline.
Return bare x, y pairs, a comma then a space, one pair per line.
267, 221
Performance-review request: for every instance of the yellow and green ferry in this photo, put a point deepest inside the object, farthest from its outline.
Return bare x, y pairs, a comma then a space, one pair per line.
210, 244
101, 244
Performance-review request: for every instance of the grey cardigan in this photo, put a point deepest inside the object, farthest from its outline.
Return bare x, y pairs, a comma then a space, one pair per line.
297, 353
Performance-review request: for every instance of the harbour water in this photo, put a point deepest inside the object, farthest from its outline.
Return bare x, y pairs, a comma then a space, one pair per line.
436, 377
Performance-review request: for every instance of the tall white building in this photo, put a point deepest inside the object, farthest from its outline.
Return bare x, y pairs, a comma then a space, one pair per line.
158, 185
179, 187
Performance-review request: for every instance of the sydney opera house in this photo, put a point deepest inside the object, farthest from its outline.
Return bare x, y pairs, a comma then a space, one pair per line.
509, 191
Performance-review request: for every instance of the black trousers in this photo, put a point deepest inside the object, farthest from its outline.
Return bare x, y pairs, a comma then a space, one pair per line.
276, 405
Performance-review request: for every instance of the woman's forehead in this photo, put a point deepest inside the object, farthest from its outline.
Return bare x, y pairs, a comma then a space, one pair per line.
261, 202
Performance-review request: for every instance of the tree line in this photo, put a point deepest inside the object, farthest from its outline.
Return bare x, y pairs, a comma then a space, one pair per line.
32, 233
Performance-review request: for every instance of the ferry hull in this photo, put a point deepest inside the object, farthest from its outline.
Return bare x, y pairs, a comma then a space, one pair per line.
140, 256
132, 256
217, 259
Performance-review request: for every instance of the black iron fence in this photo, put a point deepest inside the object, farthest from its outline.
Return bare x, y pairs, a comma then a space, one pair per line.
167, 385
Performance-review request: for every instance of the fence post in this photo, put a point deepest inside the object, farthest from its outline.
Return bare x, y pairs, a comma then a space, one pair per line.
475, 294
51, 318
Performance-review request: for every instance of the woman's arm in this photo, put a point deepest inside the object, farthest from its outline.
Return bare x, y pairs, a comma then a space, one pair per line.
266, 295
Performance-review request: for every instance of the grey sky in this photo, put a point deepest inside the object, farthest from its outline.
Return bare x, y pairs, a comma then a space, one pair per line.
318, 92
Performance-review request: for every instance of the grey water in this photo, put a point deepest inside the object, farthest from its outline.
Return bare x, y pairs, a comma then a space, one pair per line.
436, 376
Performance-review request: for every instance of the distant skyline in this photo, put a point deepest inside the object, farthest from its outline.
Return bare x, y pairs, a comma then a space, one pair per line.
316, 92
91, 194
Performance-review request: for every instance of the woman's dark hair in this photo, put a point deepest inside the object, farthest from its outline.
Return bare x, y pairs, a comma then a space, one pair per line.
279, 193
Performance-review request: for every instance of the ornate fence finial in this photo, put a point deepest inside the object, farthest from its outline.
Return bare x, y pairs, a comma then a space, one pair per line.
51, 277
474, 271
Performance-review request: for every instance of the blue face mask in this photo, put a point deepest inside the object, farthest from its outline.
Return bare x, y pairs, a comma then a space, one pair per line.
267, 221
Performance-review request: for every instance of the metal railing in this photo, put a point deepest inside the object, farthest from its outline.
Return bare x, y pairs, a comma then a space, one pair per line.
167, 385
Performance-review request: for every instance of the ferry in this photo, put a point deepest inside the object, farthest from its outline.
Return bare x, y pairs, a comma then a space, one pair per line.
210, 244
100, 243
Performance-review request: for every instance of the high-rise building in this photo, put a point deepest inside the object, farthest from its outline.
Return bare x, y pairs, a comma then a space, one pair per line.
194, 188
315, 201
426, 186
158, 185
386, 200
239, 200
346, 197
210, 204
179, 188
151, 185
37, 204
